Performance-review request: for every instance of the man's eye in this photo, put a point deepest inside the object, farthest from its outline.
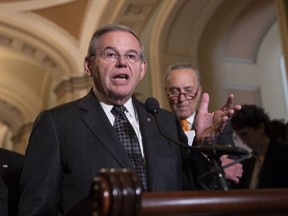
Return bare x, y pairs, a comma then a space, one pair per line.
111, 55
131, 56
174, 91
188, 90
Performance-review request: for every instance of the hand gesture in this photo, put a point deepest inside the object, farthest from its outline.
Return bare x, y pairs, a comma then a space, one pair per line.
209, 125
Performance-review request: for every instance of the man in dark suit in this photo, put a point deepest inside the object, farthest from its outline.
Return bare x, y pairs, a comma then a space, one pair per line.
11, 166
183, 89
268, 166
69, 144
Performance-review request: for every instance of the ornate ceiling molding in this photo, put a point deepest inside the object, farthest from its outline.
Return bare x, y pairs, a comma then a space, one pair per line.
28, 50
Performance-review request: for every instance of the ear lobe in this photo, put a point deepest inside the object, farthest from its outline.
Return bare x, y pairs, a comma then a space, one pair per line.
200, 90
87, 67
144, 69
199, 93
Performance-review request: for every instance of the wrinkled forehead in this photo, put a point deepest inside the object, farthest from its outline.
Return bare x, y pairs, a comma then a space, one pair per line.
183, 77
119, 40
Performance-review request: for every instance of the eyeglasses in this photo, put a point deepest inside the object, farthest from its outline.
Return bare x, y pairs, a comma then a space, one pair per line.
111, 56
174, 93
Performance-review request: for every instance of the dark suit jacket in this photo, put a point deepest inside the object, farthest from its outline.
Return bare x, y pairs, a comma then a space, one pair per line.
3, 198
273, 173
71, 143
226, 136
202, 167
11, 167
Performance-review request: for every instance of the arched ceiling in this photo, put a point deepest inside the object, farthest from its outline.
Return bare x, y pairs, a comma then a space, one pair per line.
251, 25
43, 42
247, 20
191, 26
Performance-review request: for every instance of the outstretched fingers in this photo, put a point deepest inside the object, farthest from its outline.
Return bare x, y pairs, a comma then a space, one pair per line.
204, 104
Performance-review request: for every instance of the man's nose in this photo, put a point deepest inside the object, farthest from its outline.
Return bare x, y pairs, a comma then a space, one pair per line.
182, 97
121, 61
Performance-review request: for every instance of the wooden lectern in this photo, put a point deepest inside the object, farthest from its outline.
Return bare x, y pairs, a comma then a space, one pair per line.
117, 192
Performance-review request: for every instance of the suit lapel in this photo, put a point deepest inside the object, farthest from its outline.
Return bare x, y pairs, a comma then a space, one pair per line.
96, 120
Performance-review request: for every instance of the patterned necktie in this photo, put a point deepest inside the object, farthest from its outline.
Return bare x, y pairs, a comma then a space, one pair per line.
128, 138
185, 125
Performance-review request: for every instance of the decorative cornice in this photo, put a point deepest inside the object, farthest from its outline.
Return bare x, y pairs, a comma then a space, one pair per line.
72, 84
137, 14
12, 109
27, 49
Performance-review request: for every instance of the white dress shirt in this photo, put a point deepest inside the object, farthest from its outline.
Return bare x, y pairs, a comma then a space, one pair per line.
191, 133
130, 113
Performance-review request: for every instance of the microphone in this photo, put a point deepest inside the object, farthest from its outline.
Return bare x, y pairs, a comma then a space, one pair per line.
152, 106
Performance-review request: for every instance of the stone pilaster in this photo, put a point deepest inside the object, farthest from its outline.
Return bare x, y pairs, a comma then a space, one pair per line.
73, 88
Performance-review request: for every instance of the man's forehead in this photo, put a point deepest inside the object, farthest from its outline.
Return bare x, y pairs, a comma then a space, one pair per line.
183, 76
119, 38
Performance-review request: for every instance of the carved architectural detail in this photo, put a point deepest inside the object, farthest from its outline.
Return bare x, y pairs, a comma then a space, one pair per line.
28, 49
73, 88
13, 110
137, 14
20, 139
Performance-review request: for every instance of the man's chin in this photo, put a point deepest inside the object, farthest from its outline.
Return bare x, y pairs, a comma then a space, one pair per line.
182, 115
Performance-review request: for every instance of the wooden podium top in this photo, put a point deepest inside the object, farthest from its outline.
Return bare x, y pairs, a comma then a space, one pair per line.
117, 192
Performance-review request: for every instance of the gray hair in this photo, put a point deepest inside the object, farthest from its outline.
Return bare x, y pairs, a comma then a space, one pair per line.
182, 65
110, 28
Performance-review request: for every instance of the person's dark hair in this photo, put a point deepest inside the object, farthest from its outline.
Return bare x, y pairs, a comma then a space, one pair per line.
93, 45
182, 65
250, 116
278, 130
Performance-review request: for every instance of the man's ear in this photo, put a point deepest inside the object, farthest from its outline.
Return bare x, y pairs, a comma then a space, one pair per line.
87, 67
199, 93
143, 69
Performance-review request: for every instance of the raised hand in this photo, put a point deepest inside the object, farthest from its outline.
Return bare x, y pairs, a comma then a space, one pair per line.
209, 125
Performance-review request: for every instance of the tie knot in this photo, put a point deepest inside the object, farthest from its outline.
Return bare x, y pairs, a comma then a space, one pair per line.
185, 125
118, 110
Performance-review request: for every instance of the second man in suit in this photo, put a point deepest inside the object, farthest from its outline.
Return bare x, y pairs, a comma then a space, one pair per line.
183, 89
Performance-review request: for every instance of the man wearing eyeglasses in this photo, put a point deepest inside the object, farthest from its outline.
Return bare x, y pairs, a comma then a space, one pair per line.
70, 143
184, 90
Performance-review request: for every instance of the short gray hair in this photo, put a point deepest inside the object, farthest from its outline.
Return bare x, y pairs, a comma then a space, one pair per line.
110, 28
182, 65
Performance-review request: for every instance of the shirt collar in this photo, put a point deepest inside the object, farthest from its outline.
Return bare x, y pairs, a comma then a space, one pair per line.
107, 106
191, 118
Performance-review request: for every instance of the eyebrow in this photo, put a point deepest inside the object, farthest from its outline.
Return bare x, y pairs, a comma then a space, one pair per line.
187, 87
115, 50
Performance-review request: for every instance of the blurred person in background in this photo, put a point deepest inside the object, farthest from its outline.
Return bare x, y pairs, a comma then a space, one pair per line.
268, 166
183, 89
